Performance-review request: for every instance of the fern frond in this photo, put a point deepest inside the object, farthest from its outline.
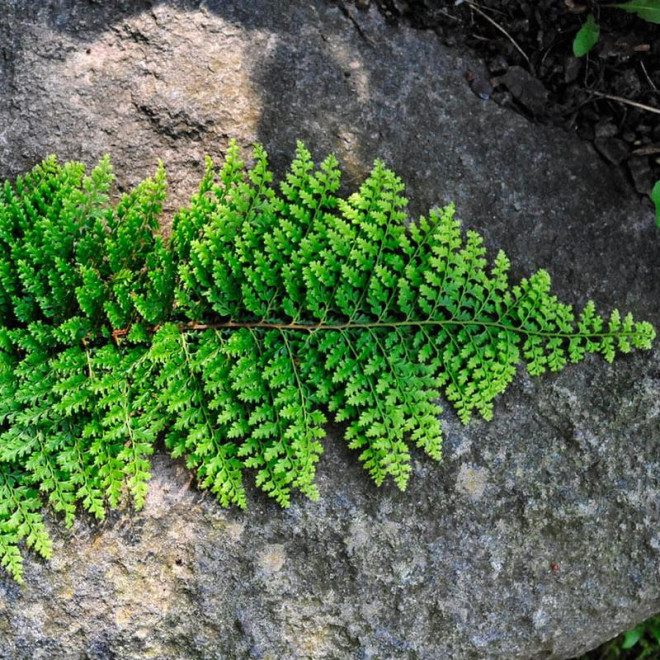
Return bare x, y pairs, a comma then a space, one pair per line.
270, 308
397, 316
194, 398
20, 519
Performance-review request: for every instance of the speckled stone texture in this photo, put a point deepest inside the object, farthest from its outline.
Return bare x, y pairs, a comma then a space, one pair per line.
538, 535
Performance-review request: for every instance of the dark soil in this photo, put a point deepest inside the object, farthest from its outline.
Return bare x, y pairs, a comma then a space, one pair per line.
540, 78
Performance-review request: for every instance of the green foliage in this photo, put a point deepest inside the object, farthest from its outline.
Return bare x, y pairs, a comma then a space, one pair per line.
640, 643
655, 198
587, 37
269, 309
649, 10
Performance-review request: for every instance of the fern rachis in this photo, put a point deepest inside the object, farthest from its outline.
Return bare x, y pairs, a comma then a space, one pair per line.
269, 309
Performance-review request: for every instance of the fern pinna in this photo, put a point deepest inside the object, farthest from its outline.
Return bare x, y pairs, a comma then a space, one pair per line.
266, 310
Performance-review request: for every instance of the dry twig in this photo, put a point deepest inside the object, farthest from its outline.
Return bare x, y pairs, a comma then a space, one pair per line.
620, 99
501, 29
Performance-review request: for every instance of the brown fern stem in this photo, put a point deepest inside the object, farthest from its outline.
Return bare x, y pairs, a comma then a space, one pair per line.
313, 327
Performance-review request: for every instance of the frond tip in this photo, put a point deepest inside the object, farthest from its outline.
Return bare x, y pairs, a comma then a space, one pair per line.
270, 308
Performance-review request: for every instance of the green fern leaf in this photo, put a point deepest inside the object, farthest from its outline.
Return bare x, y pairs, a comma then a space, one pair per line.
269, 310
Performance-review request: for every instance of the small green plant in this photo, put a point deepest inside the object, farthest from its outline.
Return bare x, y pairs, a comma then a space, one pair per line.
268, 309
645, 639
588, 35
655, 198
640, 643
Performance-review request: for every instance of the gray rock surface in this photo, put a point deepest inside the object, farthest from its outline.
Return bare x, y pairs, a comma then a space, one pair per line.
537, 537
